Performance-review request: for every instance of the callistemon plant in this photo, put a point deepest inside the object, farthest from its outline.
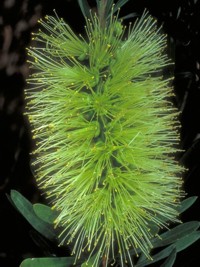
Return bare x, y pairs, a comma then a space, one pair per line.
106, 132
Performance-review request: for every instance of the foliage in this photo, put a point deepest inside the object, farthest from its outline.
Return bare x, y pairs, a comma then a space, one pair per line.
173, 240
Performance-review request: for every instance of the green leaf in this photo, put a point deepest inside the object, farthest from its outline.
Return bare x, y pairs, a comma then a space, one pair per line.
159, 256
90, 263
176, 233
154, 229
48, 262
109, 4
170, 260
45, 213
26, 209
85, 8
179, 245
186, 204
119, 4
142, 257
186, 241
130, 15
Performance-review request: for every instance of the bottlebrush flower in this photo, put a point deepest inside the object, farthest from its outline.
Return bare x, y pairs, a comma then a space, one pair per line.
106, 133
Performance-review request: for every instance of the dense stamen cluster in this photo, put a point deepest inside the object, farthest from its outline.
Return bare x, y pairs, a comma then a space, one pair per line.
106, 133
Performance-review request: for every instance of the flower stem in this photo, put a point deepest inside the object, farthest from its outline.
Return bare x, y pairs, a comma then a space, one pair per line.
104, 261
102, 13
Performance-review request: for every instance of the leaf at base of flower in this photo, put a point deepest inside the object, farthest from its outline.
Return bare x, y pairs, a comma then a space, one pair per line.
169, 262
186, 241
90, 262
176, 233
50, 262
186, 204
45, 213
26, 209
179, 245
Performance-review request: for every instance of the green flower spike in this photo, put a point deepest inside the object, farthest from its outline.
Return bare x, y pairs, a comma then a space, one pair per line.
106, 133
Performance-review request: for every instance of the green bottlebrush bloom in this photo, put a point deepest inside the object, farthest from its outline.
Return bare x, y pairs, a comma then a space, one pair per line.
106, 133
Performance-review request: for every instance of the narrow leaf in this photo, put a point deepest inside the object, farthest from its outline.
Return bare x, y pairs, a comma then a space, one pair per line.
186, 241
142, 258
131, 15
170, 260
154, 229
26, 209
45, 213
159, 256
85, 8
119, 4
90, 263
179, 245
109, 5
176, 233
48, 262
186, 203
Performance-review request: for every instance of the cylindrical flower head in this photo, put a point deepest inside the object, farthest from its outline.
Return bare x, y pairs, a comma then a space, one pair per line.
106, 133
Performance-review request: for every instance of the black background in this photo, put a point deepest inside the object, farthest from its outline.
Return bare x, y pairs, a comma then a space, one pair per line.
18, 18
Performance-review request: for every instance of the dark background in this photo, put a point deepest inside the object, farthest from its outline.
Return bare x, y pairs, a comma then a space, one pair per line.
180, 20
